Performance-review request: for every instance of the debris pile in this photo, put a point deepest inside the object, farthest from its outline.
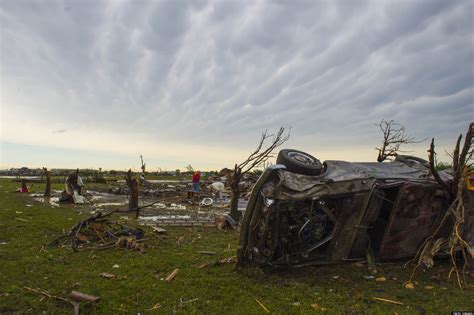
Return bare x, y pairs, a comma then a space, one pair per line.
99, 232
73, 189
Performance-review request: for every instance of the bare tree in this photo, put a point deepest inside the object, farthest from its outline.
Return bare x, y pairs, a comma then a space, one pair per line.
143, 167
393, 137
47, 190
189, 168
257, 158
449, 231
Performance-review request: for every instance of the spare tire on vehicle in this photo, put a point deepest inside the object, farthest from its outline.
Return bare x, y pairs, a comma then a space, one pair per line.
299, 162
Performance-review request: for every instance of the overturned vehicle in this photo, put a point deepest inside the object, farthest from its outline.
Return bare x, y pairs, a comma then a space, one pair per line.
302, 212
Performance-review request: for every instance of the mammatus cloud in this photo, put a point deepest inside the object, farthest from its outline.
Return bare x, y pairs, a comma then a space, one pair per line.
202, 79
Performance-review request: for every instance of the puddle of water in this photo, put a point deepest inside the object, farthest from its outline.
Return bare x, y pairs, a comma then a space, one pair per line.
36, 195
176, 220
166, 217
25, 177
99, 194
105, 204
53, 201
160, 181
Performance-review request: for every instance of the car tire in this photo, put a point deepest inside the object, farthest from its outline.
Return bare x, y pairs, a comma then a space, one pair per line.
299, 162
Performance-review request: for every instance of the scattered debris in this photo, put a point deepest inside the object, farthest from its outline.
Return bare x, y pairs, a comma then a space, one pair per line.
206, 202
225, 222
183, 301
73, 189
217, 188
75, 304
83, 297
409, 285
387, 300
115, 266
179, 239
48, 295
203, 252
262, 306
99, 232
129, 242
155, 307
361, 263
172, 275
219, 262
317, 307
158, 230
381, 279
107, 275
21, 219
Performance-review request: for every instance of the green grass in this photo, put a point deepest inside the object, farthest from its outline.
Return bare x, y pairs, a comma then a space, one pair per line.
218, 289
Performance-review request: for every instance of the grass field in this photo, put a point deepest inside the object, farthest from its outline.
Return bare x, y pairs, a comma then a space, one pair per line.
26, 225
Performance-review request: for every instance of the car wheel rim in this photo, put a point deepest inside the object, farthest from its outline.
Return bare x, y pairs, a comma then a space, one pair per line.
302, 158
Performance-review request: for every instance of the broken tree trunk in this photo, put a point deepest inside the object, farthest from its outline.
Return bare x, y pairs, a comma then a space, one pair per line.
132, 184
47, 190
234, 201
142, 176
256, 159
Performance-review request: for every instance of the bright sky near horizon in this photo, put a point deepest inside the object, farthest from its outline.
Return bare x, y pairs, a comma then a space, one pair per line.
95, 83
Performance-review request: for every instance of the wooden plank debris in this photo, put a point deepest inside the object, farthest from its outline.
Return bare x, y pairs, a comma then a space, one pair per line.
83, 297
387, 301
262, 306
172, 275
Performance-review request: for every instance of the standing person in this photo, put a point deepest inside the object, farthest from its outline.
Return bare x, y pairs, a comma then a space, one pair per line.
196, 179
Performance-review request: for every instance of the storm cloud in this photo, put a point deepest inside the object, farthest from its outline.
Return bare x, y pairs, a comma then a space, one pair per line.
211, 75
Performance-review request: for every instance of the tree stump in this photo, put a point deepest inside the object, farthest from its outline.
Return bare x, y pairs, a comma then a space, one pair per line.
235, 194
47, 190
132, 184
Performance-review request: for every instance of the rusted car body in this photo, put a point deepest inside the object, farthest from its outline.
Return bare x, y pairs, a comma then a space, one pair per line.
341, 214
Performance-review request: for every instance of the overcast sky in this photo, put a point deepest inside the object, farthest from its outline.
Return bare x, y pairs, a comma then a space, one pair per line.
96, 83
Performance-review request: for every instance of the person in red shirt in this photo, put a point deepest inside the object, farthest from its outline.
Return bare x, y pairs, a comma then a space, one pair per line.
196, 179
